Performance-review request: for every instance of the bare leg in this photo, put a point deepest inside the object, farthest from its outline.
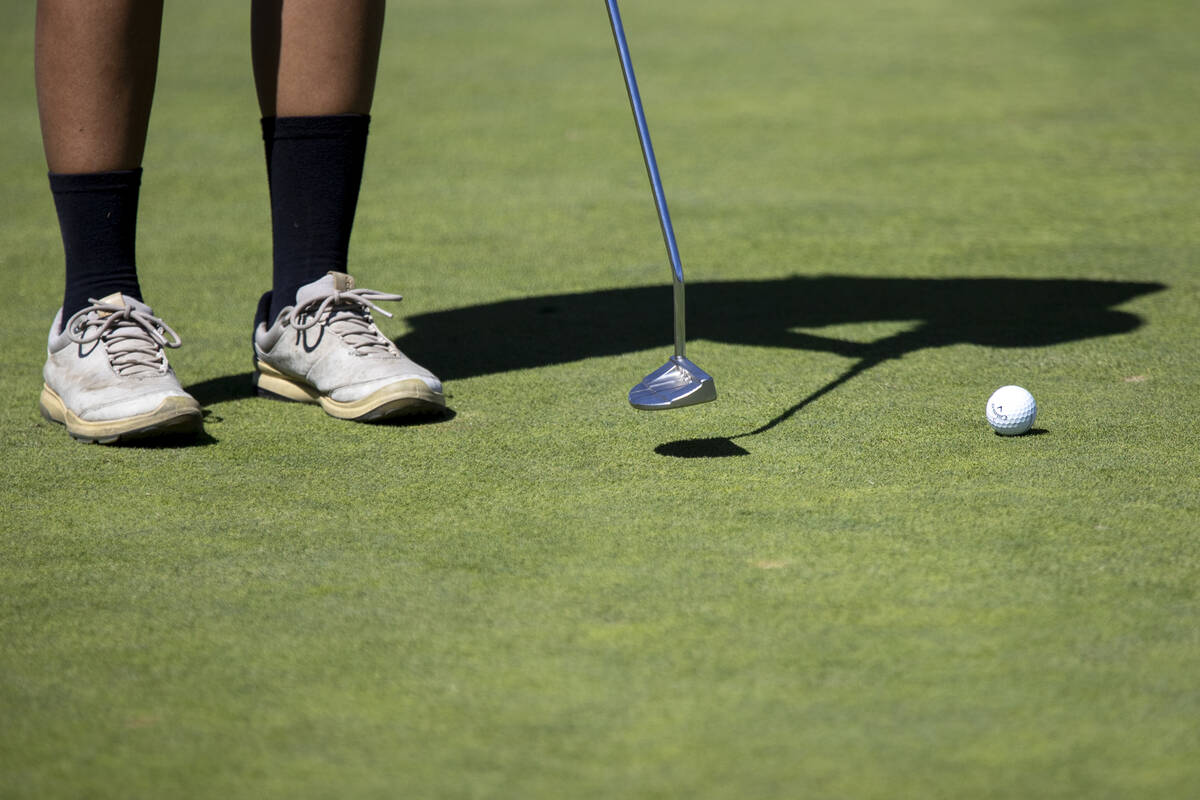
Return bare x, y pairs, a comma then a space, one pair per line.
314, 68
95, 64
315, 57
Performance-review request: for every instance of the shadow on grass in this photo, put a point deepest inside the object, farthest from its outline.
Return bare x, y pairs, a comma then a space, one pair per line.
716, 447
170, 441
416, 420
241, 387
1030, 432
555, 329
223, 389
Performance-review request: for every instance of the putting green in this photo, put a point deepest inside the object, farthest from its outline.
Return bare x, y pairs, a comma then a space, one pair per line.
834, 581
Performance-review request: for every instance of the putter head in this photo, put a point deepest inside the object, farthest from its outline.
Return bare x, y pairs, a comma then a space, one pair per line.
676, 384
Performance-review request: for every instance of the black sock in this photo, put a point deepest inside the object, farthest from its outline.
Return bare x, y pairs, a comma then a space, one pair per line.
97, 216
314, 170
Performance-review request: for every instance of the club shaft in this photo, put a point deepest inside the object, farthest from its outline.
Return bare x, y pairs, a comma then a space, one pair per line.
660, 199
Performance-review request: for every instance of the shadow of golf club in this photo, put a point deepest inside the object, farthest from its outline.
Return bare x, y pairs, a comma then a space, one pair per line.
540, 331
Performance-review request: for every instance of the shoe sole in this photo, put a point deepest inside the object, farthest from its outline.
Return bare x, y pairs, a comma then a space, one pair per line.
175, 416
409, 397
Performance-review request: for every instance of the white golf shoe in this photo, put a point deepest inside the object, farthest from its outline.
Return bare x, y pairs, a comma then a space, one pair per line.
326, 349
107, 377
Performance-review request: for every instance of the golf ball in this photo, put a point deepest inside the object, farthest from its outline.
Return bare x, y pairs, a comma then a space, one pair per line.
1011, 410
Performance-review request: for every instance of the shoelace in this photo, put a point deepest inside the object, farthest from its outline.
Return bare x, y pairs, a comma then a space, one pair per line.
133, 339
348, 314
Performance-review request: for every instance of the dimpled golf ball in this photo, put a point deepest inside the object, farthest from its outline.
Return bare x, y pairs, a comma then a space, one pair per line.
1011, 410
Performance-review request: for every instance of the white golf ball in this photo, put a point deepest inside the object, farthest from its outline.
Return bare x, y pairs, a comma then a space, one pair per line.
1011, 410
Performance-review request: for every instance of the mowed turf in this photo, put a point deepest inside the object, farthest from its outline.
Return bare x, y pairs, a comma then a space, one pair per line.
833, 582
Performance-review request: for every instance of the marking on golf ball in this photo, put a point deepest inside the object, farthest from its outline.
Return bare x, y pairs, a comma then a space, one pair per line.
1011, 411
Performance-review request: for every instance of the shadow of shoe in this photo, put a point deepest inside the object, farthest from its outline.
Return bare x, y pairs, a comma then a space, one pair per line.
222, 389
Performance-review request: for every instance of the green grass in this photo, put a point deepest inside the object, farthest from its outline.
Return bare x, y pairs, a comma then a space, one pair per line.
879, 599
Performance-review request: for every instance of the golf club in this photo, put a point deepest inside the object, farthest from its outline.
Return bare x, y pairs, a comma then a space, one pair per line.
679, 382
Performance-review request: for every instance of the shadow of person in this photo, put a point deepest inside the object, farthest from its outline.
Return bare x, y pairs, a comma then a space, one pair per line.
554, 329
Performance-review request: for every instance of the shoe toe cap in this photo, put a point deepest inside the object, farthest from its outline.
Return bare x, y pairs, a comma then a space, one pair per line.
358, 390
133, 404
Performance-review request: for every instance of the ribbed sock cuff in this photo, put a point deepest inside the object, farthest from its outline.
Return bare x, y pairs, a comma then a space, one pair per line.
116, 180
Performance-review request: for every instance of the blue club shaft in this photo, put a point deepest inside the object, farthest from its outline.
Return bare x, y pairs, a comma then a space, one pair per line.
660, 199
